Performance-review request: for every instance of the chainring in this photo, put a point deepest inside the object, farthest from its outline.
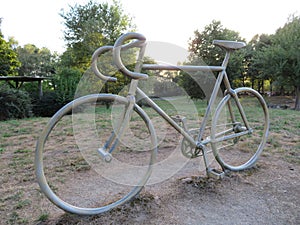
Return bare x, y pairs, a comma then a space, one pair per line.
187, 149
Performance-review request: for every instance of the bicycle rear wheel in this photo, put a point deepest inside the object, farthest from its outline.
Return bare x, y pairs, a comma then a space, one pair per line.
236, 146
67, 153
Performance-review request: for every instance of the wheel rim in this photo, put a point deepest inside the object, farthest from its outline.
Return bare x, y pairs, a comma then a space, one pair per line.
230, 155
39, 161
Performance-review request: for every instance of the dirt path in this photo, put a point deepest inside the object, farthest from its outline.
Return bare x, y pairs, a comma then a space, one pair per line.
266, 194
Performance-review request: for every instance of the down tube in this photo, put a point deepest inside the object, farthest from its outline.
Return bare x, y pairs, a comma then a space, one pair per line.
154, 106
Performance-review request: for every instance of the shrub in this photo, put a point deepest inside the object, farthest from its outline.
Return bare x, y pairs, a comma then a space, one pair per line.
47, 106
14, 103
66, 82
167, 89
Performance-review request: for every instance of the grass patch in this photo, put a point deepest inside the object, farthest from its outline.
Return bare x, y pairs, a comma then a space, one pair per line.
18, 140
23, 203
43, 217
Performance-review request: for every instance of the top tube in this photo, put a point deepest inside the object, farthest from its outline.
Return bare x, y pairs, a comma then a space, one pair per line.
184, 68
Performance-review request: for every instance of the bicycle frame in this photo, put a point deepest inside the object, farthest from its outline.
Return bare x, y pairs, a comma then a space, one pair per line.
191, 145
198, 143
222, 76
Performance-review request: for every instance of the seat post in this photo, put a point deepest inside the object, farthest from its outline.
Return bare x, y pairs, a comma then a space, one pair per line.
228, 46
226, 59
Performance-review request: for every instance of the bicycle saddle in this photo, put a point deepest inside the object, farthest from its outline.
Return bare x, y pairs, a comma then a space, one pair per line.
229, 45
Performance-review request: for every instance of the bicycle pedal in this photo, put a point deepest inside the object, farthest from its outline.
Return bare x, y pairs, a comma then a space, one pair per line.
180, 119
216, 174
177, 118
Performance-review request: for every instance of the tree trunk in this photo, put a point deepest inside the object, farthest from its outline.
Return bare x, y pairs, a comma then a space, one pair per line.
281, 90
252, 83
297, 103
259, 86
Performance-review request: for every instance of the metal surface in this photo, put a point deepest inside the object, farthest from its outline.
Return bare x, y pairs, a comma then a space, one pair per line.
190, 142
229, 45
39, 170
219, 137
184, 67
117, 54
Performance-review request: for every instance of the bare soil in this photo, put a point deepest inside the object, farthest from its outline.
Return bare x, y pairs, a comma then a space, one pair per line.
269, 193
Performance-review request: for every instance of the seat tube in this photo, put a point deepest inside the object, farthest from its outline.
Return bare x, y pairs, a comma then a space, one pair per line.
222, 76
228, 86
225, 78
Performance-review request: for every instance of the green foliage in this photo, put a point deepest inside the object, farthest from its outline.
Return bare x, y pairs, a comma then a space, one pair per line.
281, 59
14, 103
65, 83
286, 55
166, 89
190, 83
43, 217
35, 61
8, 58
47, 106
94, 23
256, 73
201, 47
203, 52
89, 27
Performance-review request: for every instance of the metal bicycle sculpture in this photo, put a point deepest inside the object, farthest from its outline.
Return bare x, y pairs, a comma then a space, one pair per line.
236, 141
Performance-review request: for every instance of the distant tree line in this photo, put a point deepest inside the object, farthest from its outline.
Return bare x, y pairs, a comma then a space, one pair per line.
269, 63
87, 27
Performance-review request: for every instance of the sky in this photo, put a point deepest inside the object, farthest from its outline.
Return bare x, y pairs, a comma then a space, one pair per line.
38, 21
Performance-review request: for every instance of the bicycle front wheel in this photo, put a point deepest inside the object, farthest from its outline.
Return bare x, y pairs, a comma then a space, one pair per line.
79, 179
239, 129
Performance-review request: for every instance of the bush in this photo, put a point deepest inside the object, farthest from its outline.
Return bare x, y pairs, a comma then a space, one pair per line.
167, 89
14, 103
66, 82
190, 83
47, 106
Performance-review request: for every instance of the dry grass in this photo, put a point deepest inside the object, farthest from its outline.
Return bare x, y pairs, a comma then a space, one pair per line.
21, 201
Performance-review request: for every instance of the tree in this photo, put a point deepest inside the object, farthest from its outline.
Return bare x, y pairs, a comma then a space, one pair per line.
35, 61
90, 26
202, 50
9, 62
282, 58
255, 72
201, 47
65, 84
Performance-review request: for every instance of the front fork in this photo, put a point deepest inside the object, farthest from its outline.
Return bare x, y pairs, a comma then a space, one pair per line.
117, 134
